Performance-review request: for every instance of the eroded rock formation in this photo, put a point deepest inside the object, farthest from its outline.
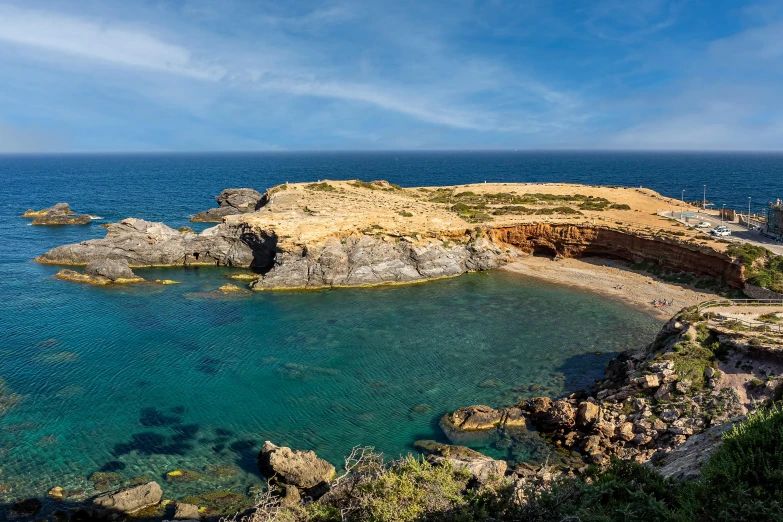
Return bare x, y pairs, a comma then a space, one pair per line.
143, 244
631, 245
231, 202
301, 469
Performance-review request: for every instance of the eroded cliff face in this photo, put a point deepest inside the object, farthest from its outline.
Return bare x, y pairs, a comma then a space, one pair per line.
579, 241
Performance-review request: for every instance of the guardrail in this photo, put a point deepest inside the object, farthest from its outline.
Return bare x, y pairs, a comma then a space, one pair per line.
758, 326
738, 302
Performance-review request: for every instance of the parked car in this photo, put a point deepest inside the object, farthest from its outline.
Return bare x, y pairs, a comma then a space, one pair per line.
721, 231
704, 224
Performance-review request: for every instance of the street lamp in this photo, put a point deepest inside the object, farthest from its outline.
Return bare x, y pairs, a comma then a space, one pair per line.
704, 201
682, 203
722, 212
748, 212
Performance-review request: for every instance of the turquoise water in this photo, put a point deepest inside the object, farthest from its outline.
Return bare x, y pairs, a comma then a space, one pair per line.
158, 378
142, 380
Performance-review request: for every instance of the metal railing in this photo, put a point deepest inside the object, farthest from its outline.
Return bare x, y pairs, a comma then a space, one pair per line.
738, 302
758, 326
753, 326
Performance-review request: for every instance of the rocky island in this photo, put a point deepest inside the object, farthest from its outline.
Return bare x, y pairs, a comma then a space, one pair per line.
59, 214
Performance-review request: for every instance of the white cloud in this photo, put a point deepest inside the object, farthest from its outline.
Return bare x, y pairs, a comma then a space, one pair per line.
435, 90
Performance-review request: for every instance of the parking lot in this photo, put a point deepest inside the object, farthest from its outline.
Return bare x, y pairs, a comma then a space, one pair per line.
739, 233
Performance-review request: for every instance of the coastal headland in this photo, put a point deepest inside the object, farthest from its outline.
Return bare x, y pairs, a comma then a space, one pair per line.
356, 233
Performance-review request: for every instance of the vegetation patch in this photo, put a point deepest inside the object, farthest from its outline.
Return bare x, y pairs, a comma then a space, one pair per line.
323, 187
762, 267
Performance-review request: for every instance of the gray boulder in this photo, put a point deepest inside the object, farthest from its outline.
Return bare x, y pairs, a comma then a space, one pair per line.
302, 469
231, 202
184, 511
481, 467
131, 499
112, 269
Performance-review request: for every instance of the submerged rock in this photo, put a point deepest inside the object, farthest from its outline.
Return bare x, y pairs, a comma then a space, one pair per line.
131, 499
26, 508
59, 214
302, 469
231, 202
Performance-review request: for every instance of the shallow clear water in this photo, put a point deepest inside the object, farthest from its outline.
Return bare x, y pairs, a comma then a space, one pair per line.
170, 377
146, 379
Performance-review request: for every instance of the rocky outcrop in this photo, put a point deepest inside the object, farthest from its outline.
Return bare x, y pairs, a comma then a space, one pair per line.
302, 469
184, 511
143, 243
369, 260
231, 202
482, 468
59, 214
102, 272
480, 417
130, 499
651, 401
685, 462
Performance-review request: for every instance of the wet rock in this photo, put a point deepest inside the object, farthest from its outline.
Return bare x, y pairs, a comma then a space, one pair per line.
185, 511
56, 493
302, 469
473, 418
131, 499
231, 202
59, 214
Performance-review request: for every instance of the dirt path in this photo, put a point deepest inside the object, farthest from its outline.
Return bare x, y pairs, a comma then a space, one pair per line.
614, 279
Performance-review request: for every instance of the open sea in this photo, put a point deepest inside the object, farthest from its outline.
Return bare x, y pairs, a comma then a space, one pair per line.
141, 380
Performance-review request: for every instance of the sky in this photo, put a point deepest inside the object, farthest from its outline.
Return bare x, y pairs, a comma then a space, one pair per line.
257, 75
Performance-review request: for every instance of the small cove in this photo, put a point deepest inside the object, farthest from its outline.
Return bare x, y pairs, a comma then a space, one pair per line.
142, 380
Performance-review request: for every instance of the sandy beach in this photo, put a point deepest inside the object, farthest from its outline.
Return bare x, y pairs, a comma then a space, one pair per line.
616, 280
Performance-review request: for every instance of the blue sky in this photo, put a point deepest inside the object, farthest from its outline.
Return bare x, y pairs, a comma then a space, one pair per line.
195, 75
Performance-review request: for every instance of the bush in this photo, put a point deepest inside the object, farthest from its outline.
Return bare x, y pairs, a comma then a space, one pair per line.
743, 479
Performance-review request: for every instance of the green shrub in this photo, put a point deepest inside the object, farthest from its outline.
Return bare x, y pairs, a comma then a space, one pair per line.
743, 479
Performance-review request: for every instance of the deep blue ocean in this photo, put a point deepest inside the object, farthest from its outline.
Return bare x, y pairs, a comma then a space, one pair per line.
142, 380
